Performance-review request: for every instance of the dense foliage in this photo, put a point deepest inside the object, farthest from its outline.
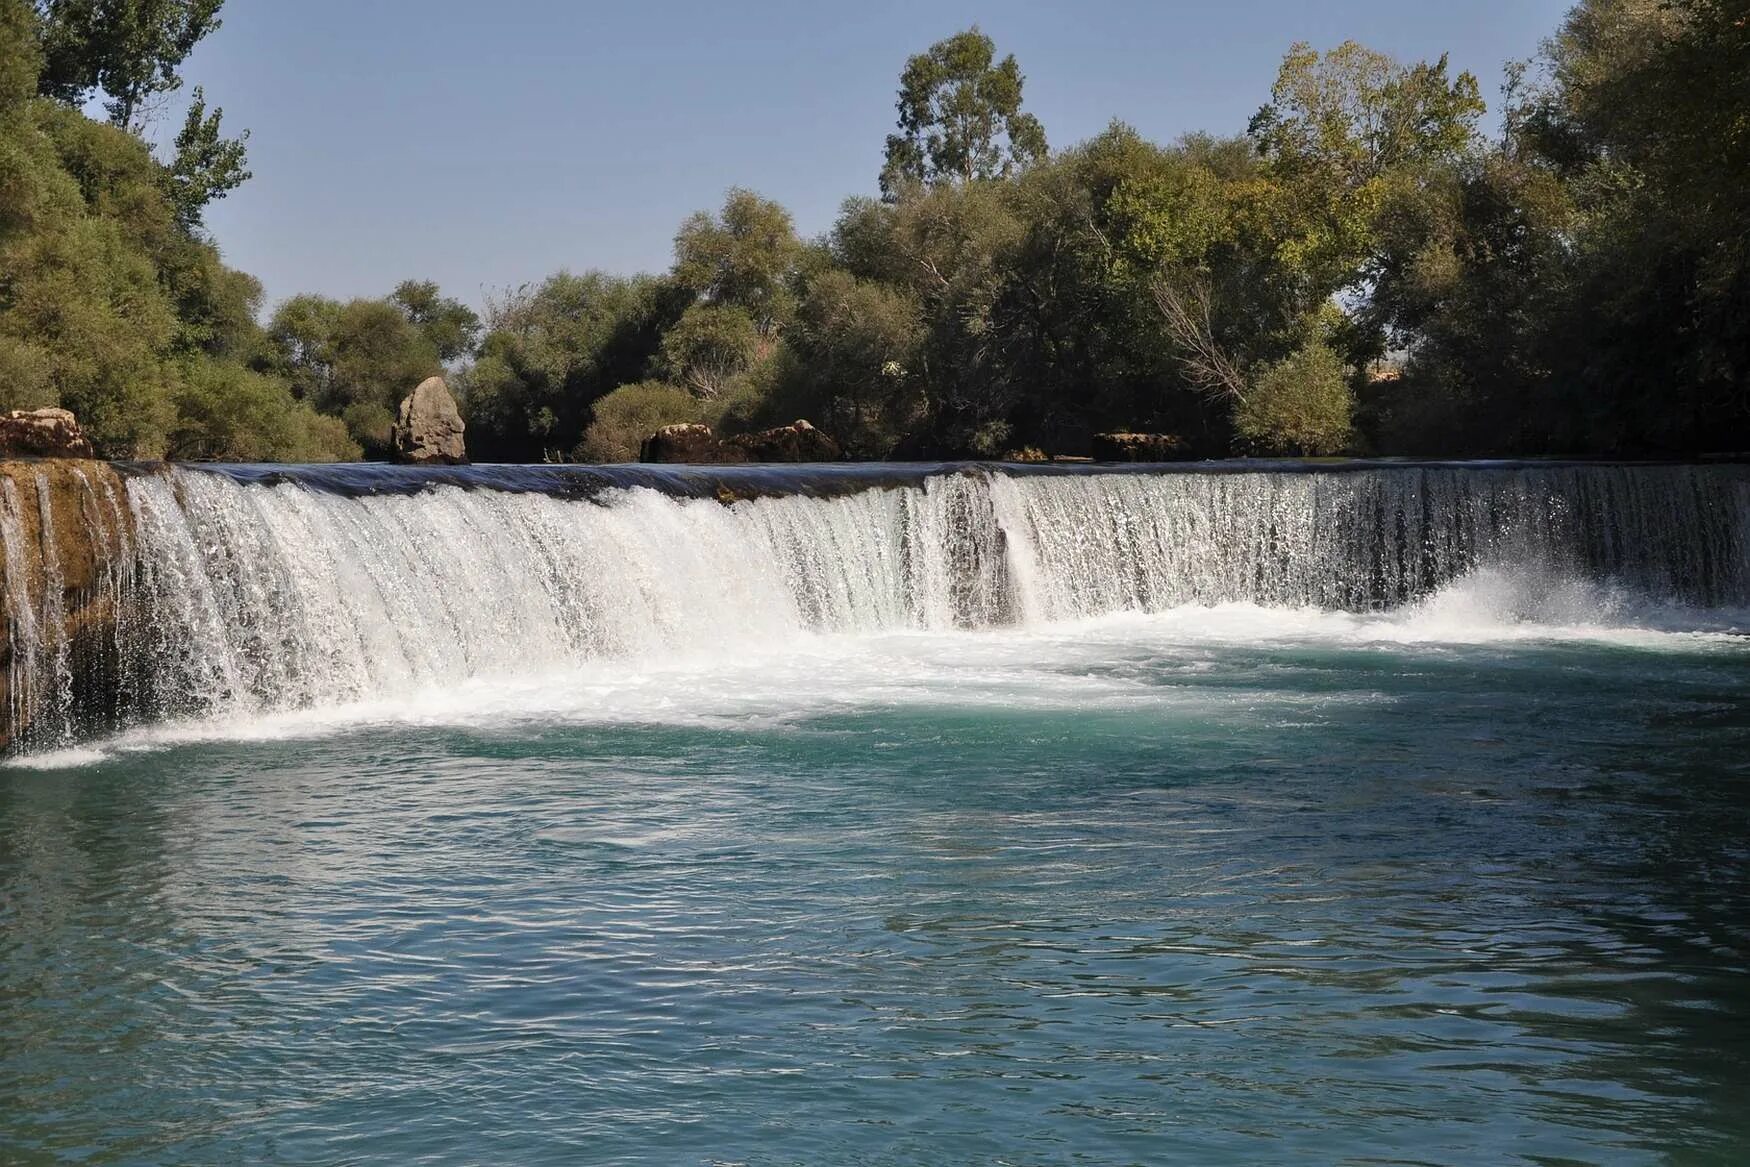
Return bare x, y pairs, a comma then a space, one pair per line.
1365, 269
112, 301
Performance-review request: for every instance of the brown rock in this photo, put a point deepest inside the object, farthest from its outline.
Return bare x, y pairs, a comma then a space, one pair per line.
43, 433
67, 537
1141, 448
428, 430
689, 442
796, 442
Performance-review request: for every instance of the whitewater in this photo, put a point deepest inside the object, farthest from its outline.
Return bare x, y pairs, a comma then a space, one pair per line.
256, 607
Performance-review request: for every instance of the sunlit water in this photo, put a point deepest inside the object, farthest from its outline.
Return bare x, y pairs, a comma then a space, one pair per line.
1460, 883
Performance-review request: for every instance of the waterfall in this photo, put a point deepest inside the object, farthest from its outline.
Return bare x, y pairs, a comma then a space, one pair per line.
250, 590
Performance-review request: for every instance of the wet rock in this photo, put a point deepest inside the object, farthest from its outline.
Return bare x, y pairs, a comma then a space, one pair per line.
43, 433
428, 429
796, 442
65, 537
689, 442
1141, 448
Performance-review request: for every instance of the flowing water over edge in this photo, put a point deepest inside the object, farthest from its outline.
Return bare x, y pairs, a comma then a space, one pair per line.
259, 591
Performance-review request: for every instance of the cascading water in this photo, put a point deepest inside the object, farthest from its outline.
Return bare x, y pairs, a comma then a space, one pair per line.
247, 591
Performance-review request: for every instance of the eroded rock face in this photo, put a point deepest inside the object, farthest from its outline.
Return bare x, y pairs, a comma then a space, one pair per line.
66, 533
796, 442
42, 433
428, 430
689, 443
1141, 448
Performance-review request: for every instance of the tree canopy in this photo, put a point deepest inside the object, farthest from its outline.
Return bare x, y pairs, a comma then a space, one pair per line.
1360, 270
960, 116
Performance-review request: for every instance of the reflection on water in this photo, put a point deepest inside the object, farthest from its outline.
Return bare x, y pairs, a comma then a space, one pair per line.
1162, 898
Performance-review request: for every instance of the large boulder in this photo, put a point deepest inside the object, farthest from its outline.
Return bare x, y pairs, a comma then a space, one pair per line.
428, 430
689, 442
1141, 448
43, 433
796, 442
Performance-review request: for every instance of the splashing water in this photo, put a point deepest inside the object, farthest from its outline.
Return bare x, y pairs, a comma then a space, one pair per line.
246, 597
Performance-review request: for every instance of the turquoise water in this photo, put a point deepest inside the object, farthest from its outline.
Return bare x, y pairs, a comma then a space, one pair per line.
1212, 886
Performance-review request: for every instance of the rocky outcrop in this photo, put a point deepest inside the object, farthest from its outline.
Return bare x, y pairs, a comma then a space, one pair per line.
66, 539
689, 442
1141, 448
42, 433
796, 442
428, 430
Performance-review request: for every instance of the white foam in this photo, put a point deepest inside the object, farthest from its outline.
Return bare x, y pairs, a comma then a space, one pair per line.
278, 609
1127, 661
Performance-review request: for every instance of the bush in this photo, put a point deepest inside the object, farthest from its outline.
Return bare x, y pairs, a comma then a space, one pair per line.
631, 413
1301, 405
26, 375
228, 413
371, 425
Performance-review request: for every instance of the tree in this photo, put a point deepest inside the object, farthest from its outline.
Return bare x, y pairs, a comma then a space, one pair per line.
1337, 128
20, 57
228, 413
449, 325
960, 117
356, 359
129, 50
552, 350
857, 370
206, 166
709, 346
952, 247
745, 256
1352, 114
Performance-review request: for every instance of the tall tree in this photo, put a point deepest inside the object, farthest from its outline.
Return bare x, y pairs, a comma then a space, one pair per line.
129, 50
206, 166
960, 117
1338, 128
745, 256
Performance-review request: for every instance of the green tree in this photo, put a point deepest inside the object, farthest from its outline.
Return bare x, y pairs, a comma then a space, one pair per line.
206, 166
20, 56
128, 50
952, 248
960, 117
225, 412
552, 350
856, 369
1338, 128
355, 360
709, 347
745, 256
449, 325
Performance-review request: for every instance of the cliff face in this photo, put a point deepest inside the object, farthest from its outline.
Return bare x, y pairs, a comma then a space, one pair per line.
66, 554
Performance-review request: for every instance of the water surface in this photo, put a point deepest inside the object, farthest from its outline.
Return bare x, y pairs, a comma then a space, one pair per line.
1461, 883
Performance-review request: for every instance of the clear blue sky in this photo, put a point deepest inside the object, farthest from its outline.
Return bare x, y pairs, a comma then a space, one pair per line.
485, 145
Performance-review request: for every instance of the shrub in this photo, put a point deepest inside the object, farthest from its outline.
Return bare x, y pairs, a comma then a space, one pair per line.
371, 425
225, 412
1302, 405
631, 413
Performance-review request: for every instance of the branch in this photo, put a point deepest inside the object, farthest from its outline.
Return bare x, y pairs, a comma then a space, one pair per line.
1184, 301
